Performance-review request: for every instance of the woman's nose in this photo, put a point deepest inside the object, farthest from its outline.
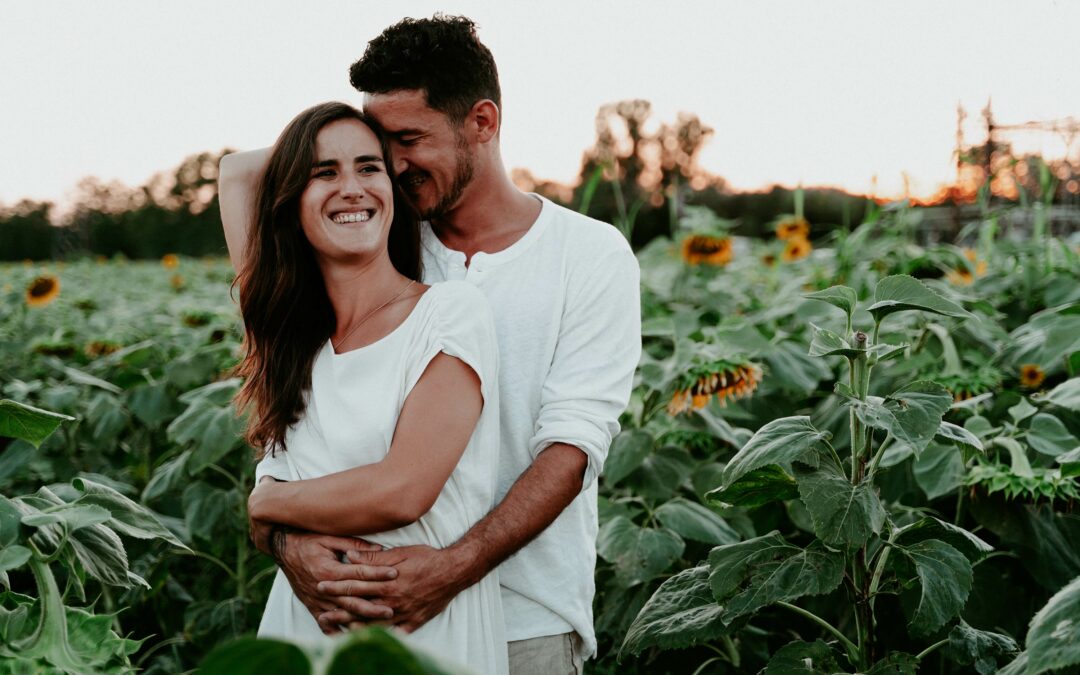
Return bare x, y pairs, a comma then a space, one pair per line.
351, 186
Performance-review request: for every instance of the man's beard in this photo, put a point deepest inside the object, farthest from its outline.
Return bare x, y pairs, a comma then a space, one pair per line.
463, 175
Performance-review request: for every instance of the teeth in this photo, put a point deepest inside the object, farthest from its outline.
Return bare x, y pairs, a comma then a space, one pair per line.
343, 218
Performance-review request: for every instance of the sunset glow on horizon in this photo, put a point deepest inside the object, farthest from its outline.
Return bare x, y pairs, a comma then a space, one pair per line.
861, 96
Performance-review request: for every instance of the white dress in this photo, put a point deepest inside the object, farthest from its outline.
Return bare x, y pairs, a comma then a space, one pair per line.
349, 421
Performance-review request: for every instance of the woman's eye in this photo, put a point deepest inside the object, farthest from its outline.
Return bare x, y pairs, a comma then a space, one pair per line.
370, 168
324, 173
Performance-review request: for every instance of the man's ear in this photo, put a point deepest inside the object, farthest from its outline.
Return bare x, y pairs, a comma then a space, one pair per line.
484, 120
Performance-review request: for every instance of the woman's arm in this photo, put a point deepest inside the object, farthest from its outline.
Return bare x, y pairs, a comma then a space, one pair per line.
435, 425
238, 180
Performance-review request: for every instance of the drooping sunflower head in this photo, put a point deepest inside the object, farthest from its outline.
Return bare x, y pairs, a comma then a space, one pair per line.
796, 248
98, 348
964, 275
972, 383
707, 249
727, 379
792, 227
42, 290
1031, 376
170, 261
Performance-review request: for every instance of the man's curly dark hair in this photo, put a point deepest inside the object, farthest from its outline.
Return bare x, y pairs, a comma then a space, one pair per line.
441, 55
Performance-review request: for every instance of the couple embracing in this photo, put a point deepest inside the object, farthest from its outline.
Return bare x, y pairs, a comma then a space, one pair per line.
435, 366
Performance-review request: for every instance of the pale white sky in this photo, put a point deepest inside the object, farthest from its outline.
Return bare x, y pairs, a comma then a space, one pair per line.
829, 92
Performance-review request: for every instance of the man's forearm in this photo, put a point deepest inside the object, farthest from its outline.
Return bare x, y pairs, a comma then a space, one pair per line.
537, 498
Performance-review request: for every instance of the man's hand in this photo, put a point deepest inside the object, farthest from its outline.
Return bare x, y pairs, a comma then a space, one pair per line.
427, 580
307, 559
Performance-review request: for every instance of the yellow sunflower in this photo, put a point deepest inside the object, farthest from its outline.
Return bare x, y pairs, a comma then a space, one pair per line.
42, 290
726, 379
706, 249
170, 261
796, 248
1031, 376
792, 227
963, 276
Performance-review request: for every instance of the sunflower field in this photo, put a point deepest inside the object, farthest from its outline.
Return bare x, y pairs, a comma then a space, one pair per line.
855, 452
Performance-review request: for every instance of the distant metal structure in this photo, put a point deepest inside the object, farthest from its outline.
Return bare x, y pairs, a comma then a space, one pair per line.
1064, 214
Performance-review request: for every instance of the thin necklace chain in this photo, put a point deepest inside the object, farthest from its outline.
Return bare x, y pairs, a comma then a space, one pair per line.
372, 312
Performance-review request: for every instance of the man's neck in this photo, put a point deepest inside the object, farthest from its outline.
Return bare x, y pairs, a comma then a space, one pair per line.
488, 219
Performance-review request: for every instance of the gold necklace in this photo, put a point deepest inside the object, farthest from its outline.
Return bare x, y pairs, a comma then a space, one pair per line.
371, 313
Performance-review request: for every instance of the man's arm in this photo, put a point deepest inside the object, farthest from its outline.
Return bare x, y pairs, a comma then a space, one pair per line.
238, 180
586, 389
428, 578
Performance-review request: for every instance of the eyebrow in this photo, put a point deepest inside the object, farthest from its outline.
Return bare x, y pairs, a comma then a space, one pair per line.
362, 159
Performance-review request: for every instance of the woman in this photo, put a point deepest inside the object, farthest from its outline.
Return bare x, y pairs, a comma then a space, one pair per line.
375, 395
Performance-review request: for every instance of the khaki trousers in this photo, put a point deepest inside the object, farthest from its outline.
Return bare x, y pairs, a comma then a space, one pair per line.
548, 655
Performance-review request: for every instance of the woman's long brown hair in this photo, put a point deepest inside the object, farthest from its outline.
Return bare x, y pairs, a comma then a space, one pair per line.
287, 313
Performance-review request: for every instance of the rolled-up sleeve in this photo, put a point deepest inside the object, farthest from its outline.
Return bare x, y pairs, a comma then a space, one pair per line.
592, 371
275, 465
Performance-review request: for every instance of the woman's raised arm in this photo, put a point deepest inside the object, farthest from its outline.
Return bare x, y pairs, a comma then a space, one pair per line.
436, 423
238, 180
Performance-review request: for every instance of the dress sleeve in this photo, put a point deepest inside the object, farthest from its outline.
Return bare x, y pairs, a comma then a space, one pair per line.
275, 465
592, 371
463, 326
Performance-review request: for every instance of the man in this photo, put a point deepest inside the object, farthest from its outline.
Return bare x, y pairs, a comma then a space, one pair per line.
564, 291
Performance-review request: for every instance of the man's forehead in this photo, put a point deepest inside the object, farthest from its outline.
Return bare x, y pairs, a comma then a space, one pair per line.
401, 108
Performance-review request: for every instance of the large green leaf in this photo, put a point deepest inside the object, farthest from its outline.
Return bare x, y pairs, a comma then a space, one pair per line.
912, 414
639, 554
828, 343
1065, 395
794, 371
205, 508
71, 516
252, 656
107, 418
30, 424
758, 487
959, 436
1053, 639
128, 517
10, 522
1070, 463
695, 522
662, 473
781, 441
681, 613
944, 577
152, 404
929, 527
102, 555
939, 471
758, 572
901, 292
375, 651
1048, 435
839, 296
167, 477
971, 646
803, 658
896, 663
843, 514
627, 452
213, 431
